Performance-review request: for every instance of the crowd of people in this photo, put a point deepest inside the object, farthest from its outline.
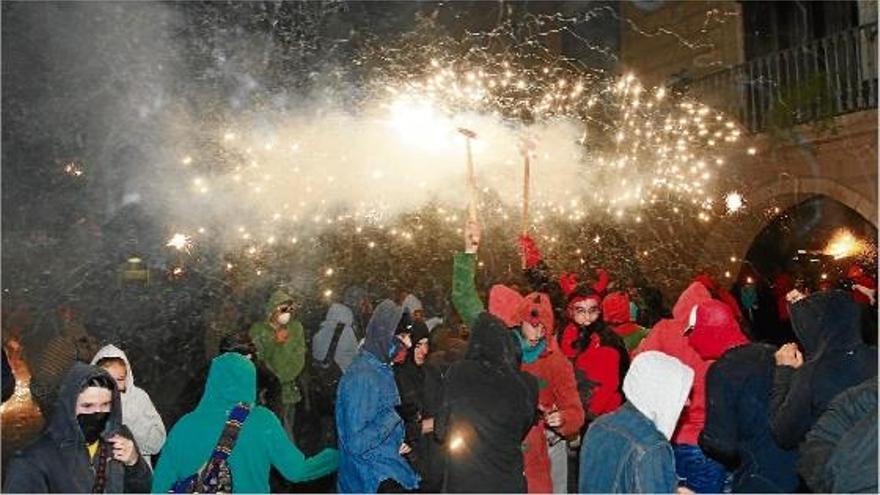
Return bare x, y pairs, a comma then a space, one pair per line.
548, 389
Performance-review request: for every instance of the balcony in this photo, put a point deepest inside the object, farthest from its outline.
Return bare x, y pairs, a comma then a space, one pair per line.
807, 83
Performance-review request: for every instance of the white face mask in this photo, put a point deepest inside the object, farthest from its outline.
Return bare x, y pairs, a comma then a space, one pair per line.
283, 318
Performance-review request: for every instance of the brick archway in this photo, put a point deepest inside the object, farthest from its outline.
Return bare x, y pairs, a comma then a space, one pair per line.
730, 240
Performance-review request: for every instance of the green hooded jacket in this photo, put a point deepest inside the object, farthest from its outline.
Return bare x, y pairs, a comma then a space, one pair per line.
285, 360
261, 443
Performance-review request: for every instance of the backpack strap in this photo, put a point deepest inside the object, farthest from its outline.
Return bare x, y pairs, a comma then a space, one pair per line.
331, 351
229, 436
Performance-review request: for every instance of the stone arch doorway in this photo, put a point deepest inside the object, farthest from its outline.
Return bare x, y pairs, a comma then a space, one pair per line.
730, 240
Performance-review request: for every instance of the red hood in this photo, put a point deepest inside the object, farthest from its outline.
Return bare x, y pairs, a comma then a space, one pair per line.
504, 304
693, 295
706, 280
615, 308
715, 330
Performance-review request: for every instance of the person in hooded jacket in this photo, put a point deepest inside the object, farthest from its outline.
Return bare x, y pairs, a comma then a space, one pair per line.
628, 450
700, 473
84, 447
369, 428
839, 454
488, 407
531, 320
261, 444
347, 347
281, 346
419, 384
138, 412
738, 382
617, 314
834, 358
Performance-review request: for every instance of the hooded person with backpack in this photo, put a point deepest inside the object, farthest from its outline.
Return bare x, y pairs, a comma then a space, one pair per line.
369, 428
261, 442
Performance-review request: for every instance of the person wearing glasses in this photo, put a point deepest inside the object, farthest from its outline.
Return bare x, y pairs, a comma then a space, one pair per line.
281, 346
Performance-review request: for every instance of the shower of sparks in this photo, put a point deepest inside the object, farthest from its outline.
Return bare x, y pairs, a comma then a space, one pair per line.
844, 244
180, 242
631, 147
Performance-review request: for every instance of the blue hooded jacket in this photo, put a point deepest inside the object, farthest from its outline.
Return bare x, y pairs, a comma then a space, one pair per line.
369, 429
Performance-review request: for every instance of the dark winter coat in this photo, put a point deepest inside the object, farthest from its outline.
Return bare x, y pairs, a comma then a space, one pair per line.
840, 452
58, 461
488, 407
420, 389
737, 429
836, 358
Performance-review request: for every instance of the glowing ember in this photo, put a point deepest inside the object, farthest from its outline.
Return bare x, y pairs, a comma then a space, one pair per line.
456, 443
734, 202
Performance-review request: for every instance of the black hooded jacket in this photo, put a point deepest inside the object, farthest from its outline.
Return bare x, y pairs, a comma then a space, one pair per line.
58, 462
835, 358
488, 407
840, 452
737, 429
419, 388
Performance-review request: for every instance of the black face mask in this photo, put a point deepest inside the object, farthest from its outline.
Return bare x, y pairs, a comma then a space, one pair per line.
92, 425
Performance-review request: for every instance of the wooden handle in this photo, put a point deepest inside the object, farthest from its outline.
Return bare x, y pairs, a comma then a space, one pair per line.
472, 183
525, 206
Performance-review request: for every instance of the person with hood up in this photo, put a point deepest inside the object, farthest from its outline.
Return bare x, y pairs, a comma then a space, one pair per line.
488, 407
413, 307
738, 382
138, 412
701, 474
261, 444
338, 315
281, 346
84, 447
834, 358
369, 429
419, 384
532, 323
840, 452
617, 313
628, 451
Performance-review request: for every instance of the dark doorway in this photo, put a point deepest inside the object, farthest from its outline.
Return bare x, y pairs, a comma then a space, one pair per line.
793, 252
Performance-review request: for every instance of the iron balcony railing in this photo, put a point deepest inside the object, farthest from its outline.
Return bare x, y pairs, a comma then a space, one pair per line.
816, 80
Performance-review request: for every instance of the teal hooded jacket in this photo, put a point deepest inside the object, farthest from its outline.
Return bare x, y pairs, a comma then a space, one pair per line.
261, 443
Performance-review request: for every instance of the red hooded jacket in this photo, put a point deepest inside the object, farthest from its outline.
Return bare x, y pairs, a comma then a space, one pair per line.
668, 336
557, 386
